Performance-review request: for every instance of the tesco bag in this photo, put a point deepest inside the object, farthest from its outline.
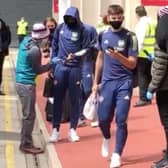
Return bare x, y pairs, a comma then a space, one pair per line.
91, 107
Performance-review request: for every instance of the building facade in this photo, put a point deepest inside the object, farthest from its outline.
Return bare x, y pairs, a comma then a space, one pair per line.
32, 10
90, 10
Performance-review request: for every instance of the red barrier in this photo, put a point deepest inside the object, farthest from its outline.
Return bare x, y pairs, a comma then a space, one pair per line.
154, 2
55, 6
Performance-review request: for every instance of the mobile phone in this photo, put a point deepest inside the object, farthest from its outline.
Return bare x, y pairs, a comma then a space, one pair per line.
80, 53
46, 50
111, 48
107, 50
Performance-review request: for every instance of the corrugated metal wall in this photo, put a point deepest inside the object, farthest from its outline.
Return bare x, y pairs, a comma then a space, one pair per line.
32, 10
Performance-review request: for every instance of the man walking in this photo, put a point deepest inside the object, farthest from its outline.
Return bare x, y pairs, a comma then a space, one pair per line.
116, 60
69, 37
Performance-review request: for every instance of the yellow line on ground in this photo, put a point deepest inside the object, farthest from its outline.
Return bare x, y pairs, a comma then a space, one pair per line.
9, 150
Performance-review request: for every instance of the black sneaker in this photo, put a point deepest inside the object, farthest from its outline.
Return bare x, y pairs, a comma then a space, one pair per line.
141, 103
164, 151
81, 123
2, 93
163, 163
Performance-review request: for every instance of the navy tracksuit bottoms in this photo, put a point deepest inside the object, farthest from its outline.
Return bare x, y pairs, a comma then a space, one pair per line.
66, 77
115, 99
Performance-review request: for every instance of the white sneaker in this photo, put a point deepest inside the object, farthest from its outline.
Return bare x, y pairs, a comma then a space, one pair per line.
72, 135
55, 137
115, 160
105, 147
94, 124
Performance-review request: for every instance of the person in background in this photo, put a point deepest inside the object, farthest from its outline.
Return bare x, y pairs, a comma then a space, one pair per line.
51, 24
87, 72
22, 28
5, 40
159, 82
102, 24
28, 66
145, 32
69, 38
115, 63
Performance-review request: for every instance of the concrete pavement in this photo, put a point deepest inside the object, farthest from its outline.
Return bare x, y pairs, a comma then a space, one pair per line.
145, 140
10, 126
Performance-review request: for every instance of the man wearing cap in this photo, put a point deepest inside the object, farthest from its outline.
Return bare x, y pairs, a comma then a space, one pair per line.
27, 68
69, 37
159, 82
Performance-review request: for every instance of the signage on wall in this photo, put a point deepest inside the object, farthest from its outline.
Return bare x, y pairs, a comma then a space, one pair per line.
154, 2
55, 6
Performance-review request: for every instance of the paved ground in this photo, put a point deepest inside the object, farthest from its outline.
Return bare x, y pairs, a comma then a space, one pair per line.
144, 145
10, 126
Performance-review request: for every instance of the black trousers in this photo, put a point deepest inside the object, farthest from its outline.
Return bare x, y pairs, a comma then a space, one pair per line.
2, 58
144, 76
162, 104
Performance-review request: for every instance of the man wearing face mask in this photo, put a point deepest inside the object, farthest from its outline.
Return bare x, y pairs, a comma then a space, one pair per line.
27, 68
69, 37
115, 63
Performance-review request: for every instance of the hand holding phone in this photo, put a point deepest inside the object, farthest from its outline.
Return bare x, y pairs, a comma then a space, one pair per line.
109, 49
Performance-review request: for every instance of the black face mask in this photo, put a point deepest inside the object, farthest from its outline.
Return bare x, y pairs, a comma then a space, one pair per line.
70, 21
71, 25
115, 24
52, 30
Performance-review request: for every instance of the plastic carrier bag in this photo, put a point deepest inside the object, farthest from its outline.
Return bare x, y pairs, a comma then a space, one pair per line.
91, 107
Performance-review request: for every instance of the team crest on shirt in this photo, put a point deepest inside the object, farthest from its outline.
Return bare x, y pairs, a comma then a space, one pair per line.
55, 82
74, 36
106, 42
61, 32
120, 45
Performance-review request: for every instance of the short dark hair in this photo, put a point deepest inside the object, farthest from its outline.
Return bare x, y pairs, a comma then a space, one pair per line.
115, 9
140, 11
